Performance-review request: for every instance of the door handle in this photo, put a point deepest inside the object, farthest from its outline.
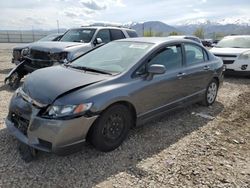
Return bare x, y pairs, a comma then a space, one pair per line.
181, 74
206, 67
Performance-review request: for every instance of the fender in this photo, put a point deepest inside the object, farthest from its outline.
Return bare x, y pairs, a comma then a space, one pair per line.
18, 68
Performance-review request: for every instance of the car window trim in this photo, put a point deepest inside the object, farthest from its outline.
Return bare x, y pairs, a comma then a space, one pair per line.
153, 54
197, 45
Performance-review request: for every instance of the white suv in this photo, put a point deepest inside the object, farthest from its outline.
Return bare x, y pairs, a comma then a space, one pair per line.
235, 53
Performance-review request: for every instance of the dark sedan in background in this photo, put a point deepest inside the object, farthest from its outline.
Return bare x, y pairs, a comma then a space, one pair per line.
102, 94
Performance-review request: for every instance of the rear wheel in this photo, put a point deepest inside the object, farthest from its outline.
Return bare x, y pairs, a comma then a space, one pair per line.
112, 127
211, 93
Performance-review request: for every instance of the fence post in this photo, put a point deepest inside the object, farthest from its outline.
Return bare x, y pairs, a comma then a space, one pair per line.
8, 37
21, 36
33, 34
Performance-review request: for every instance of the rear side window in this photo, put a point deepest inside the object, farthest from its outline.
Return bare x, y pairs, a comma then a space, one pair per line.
170, 57
194, 54
116, 34
104, 35
132, 34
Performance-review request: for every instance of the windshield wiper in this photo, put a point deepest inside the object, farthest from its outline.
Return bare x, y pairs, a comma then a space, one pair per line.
90, 69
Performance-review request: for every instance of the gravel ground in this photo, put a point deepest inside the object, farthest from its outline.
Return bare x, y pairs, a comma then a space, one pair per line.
180, 149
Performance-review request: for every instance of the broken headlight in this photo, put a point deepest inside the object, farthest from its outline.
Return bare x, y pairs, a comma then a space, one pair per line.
25, 52
61, 57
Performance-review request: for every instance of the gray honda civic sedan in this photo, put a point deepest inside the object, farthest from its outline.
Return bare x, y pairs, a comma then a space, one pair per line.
101, 95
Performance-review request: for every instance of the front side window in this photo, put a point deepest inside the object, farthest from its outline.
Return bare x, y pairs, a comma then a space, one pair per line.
170, 57
114, 57
194, 54
78, 35
104, 35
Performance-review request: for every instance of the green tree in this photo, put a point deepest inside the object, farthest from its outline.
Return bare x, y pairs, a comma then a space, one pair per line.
173, 33
218, 36
199, 32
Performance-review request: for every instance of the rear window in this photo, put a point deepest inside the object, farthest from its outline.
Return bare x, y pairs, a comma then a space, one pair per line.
132, 34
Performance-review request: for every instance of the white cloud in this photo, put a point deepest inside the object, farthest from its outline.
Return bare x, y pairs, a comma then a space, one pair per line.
71, 13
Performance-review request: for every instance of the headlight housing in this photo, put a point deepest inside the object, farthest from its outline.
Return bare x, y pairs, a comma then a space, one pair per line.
56, 111
245, 56
25, 52
61, 57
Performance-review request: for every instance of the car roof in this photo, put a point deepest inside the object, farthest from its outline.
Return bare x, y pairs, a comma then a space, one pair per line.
155, 40
237, 36
103, 27
183, 36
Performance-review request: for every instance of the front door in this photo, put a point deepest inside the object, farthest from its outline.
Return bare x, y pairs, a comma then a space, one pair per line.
162, 90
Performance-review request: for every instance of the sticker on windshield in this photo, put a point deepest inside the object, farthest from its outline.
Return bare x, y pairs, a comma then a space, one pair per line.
138, 46
86, 31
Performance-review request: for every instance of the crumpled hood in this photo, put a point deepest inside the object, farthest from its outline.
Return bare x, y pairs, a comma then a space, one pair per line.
46, 85
229, 51
54, 47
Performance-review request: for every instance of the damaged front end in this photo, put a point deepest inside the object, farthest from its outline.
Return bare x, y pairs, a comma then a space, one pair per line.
27, 120
32, 59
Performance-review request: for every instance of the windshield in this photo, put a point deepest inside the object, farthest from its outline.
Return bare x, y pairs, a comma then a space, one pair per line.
114, 57
234, 42
78, 35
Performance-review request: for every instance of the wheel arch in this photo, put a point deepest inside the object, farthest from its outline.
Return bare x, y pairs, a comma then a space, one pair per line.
128, 104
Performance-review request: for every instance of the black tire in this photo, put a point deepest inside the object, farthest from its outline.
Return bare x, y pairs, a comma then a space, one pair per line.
14, 81
111, 128
211, 93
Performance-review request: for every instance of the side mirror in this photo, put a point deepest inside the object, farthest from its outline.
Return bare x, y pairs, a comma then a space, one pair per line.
155, 69
98, 41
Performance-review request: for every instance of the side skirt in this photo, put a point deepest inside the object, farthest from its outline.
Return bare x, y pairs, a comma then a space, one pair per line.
157, 112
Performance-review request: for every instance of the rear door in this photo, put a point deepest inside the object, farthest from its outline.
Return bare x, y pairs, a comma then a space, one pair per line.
198, 70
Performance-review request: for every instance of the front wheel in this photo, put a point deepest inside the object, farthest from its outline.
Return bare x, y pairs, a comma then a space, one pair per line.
112, 127
211, 93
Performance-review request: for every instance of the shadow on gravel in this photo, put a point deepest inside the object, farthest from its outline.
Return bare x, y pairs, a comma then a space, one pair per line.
237, 79
89, 167
4, 87
5, 71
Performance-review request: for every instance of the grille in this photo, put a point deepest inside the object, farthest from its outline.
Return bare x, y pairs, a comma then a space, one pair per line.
20, 123
228, 61
36, 54
225, 55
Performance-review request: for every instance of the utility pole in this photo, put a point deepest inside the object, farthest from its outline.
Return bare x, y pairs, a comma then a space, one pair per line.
143, 29
57, 21
33, 33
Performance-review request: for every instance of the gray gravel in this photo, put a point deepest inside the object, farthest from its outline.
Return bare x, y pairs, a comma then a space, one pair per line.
180, 149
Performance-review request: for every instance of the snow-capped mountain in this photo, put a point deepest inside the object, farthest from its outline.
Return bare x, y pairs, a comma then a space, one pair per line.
225, 26
244, 21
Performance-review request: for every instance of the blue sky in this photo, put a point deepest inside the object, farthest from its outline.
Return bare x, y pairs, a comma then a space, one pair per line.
42, 14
